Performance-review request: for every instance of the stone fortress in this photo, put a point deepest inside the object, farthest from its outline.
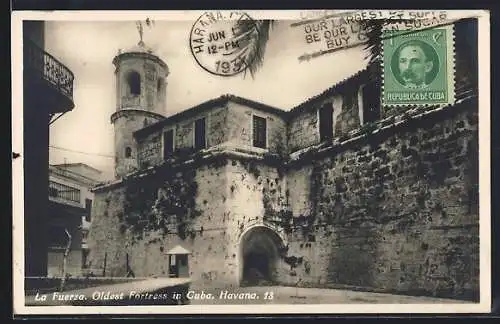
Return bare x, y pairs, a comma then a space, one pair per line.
338, 191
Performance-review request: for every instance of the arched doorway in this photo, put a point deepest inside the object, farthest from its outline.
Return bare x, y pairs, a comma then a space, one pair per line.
260, 250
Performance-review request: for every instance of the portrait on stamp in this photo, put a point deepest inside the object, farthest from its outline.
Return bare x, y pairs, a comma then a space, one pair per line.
415, 64
418, 66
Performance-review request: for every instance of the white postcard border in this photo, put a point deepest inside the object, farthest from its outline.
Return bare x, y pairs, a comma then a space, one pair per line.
18, 180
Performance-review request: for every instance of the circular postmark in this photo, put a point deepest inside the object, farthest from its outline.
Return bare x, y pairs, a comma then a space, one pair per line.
415, 64
224, 43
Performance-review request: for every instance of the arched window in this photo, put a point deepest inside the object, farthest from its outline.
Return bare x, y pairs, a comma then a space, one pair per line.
128, 152
134, 83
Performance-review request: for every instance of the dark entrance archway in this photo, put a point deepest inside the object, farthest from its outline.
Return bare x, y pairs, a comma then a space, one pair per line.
260, 255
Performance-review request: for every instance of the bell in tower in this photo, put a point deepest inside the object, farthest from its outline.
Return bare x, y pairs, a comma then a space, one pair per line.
140, 100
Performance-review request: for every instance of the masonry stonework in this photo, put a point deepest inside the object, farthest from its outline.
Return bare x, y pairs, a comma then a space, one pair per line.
240, 127
113, 236
388, 202
140, 101
399, 210
394, 211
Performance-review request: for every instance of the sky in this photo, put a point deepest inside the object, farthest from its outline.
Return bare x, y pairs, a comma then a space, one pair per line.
87, 48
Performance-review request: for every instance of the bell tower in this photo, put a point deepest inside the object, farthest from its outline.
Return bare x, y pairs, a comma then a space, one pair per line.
140, 100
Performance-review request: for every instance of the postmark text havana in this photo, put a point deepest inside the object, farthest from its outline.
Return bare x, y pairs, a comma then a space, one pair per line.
220, 42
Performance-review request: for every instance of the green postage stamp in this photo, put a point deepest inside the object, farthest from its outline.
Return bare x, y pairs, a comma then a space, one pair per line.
418, 67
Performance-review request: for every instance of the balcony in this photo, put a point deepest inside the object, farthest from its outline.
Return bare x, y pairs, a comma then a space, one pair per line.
47, 81
59, 192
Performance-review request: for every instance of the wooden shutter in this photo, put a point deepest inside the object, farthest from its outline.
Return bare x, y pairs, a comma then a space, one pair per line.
199, 134
168, 143
326, 122
259, 132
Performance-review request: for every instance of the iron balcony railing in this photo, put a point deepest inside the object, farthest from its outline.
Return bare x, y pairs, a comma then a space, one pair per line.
48, 68
61, 191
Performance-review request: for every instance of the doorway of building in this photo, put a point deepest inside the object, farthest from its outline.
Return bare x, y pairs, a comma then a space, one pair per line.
260, 256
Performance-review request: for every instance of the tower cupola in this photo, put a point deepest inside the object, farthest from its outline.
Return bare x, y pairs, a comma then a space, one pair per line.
140, 99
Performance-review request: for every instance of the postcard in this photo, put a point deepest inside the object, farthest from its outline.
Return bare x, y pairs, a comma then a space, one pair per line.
251, 162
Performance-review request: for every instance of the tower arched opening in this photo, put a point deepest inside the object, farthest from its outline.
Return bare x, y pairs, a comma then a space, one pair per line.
134, 83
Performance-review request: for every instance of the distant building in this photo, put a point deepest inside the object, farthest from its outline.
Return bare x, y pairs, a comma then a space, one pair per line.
70, 204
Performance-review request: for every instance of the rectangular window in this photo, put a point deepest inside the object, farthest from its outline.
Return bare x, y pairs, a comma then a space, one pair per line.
259, 132
199, 134
326, 123
168, 144
88, 209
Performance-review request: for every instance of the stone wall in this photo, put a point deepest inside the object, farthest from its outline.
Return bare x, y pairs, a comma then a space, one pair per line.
230, 124
395, 210
303, 129
306, 123
150, 147
125, 122
150, 152
233, 196
240, 127
257, 195
111, 237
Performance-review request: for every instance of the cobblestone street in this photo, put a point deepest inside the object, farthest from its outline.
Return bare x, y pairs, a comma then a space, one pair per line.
292, 295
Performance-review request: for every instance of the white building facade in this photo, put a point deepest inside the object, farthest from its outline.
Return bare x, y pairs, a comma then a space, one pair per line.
70, 204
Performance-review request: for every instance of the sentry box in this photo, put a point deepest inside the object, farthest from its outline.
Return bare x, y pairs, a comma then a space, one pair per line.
178, 262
